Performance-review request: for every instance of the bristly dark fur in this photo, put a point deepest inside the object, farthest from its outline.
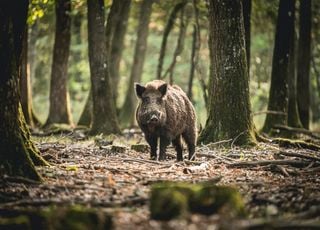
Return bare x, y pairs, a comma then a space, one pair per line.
165, 112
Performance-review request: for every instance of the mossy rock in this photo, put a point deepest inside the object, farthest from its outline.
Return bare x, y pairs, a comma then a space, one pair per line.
173, 199
167, 203
142, 148
211, 199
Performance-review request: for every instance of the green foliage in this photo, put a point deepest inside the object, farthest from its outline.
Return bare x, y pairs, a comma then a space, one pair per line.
38, 8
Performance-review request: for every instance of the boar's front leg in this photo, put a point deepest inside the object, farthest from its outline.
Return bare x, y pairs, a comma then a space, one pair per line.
164, 142
177, 144
153, 142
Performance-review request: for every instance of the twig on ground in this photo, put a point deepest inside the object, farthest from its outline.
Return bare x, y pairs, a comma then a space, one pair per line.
144, 161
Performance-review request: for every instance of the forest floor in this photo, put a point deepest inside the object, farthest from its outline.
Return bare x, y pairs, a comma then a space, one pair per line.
280, 186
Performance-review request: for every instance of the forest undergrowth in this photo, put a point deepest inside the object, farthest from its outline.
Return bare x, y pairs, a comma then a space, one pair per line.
279, 186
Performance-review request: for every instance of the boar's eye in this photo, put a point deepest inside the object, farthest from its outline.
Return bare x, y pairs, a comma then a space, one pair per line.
145, 99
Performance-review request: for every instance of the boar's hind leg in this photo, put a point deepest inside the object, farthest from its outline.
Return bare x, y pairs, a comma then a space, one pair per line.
177, 144
153, 142
190, 139
164, 142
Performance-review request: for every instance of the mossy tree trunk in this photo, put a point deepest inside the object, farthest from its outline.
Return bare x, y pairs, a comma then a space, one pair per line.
229, 105
278, 94
127, 113
17, 151
104, 111
304, 56
59, 109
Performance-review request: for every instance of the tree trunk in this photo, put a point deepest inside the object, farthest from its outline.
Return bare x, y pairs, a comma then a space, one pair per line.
75, 56
304, 56
195, 49
229, 105
293, 114
104, 112
184, 21
16, 148
246, 7
25, 83
127, 113
278, 94
86, 115
120, 28
172, 18
59, 110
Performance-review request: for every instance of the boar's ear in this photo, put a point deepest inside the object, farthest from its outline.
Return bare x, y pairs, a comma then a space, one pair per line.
139, 89
163, 89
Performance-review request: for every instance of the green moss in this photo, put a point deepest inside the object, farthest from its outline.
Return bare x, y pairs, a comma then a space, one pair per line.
20, 222
58, 218
211, 199
170, 200
166, 203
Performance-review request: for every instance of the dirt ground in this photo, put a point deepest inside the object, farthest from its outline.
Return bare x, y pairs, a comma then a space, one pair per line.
280, 187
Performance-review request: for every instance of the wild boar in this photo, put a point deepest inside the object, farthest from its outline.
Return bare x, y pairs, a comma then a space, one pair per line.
164, 112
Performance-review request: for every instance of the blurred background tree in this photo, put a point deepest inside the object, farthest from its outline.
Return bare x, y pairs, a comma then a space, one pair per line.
263, 20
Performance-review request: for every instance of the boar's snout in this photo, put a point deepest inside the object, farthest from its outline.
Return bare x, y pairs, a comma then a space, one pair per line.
154, 119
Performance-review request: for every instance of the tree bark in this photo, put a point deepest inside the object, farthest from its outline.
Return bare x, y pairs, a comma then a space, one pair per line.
127, 114
229, 105
278, 94
246, 7
293, 114
25, 83
104, 112
16, 148
59, 110
304, 56
86, 115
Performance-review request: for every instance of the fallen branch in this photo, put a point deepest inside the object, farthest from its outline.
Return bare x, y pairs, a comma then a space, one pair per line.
294, 163
287, 143
282, 170
300, 155
279, 224
18, 179
297, 130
